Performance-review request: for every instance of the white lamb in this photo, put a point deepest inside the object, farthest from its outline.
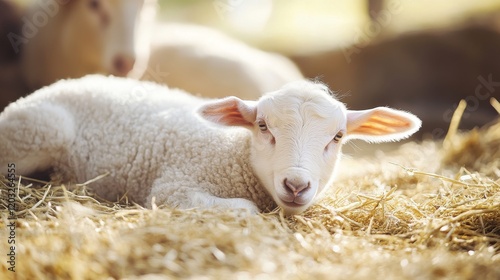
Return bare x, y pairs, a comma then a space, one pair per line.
58, 39
160, 142
81, 37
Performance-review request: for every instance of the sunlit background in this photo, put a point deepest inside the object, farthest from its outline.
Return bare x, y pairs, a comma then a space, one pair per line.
294, 26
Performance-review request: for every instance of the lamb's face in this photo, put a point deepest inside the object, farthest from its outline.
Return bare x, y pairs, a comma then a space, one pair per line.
297, 134
125, 38
106, 35
88, 36
297, 138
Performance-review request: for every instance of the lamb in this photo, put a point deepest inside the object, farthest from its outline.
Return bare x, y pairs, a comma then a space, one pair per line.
222, 65
165, 146
57, 39
81, 37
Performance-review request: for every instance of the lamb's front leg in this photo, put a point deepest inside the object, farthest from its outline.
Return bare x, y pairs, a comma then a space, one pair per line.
190, 195
32, 135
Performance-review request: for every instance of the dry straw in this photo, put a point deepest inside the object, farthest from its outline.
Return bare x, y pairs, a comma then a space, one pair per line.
425, 211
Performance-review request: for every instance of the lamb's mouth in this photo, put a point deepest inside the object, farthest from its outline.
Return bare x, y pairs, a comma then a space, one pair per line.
292, 204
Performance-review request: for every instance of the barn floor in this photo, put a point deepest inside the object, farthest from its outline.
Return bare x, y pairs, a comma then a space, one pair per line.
427, 210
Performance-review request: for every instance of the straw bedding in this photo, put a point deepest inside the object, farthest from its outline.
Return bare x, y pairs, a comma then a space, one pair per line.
426, 210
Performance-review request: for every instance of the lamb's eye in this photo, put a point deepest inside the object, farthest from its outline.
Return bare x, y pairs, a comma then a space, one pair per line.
262, 126
337, 137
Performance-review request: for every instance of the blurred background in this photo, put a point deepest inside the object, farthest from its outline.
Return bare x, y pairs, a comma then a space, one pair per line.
295, 26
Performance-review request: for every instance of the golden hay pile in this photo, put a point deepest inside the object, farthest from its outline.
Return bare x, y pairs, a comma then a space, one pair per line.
424, 211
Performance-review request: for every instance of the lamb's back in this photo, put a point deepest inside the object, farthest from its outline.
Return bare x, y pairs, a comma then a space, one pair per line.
139, 131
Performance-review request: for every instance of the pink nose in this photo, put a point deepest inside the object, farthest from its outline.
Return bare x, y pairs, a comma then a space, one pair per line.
122, 65
296, 187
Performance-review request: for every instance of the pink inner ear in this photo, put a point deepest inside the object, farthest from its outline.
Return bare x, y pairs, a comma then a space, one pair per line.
234, 118
226, 112
381, 124
374, 129
385, 119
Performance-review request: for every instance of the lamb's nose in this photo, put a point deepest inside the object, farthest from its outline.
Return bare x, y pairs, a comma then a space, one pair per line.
122, 64
296, 187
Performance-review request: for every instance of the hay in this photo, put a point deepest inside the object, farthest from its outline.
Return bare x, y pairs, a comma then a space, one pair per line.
424, 211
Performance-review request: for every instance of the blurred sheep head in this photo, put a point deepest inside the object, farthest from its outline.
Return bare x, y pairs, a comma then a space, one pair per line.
72, 38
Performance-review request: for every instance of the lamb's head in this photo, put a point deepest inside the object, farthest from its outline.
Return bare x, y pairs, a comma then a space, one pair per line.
298, 132
82, 37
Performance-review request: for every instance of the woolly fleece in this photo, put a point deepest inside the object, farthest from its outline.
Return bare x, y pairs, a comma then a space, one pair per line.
146, 136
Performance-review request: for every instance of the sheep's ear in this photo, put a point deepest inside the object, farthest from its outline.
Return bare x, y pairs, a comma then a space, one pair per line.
381, 124
230, 111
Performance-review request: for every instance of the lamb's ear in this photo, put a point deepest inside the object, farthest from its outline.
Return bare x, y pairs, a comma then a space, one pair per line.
381, 124
230, 111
